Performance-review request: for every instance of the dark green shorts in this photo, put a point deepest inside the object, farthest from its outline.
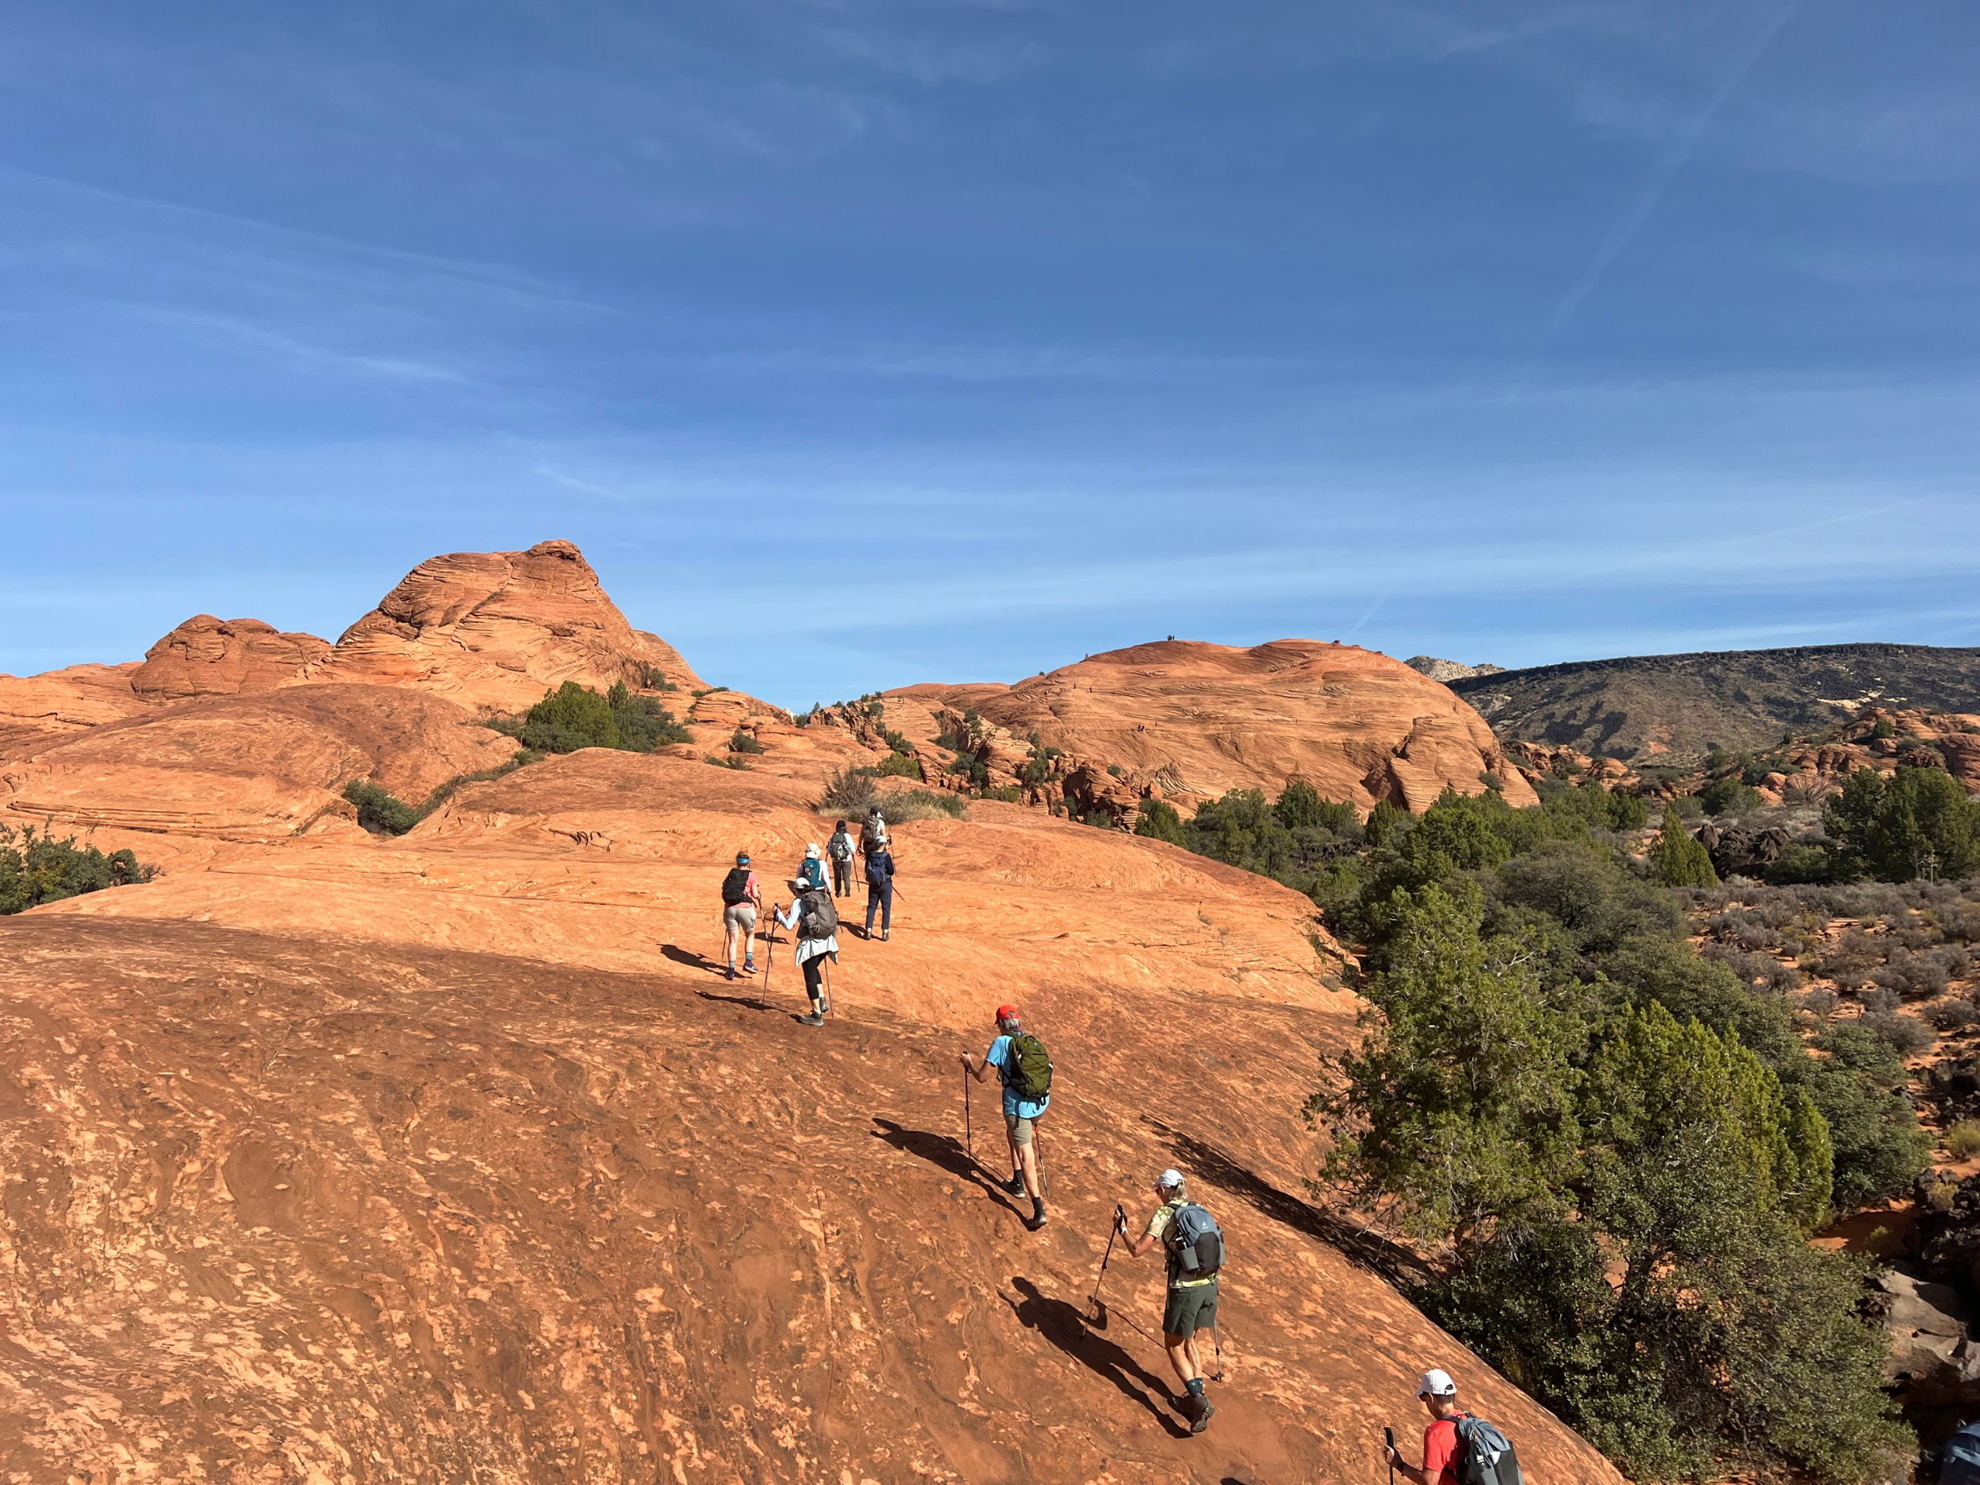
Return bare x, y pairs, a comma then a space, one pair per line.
1191, 1310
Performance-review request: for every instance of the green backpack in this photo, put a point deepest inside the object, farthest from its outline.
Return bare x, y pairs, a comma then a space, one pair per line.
1028, 1068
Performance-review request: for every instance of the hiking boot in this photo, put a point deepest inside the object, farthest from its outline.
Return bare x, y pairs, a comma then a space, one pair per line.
1037, 1218
812, 1019
749, 966
1015, 1185
731, 973
1201, 1420
885, 934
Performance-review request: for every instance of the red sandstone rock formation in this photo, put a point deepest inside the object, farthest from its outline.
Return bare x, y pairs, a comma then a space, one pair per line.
499, 629
37, 710
1187, 720
206, 656
343, 1155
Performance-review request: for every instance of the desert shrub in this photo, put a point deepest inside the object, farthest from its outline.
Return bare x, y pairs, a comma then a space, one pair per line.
379, 812
1954, 1015
895, 766
742, 742
1006, 793
653, 678
1159, 821
1907, 1035
846, 791
1728, 796
1883, 727
1676, 859
924, 804
1549, 1146
732, 760
1302, 807
1802, 862
1919, 823
573, 717
1821, 1002
1387, 821
36, 868
1963, 1139
1687, 806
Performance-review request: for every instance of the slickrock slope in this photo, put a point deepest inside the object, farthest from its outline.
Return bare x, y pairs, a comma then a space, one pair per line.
453, 1157
497, 630
36, 709
1180, 718
206, 656
244, 767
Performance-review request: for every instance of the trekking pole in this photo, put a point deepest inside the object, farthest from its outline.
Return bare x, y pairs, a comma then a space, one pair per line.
770, 954
969, 1133
1099, 1321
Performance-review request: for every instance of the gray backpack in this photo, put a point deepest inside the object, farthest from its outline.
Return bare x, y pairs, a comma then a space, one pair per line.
1959, 1457
1196, 1244
820, 919
1485, 1456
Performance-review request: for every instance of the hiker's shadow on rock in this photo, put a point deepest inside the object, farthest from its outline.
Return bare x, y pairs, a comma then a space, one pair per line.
1064, 1326
1369, 1249
692, 960
747, 1002
944, 1152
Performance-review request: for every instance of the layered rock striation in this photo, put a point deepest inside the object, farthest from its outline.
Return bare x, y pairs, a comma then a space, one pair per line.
496, 630
206, 656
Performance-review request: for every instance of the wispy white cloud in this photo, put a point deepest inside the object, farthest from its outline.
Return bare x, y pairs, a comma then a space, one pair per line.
299, 354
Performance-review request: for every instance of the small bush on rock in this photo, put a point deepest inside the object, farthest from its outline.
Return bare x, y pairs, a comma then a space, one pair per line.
37, 868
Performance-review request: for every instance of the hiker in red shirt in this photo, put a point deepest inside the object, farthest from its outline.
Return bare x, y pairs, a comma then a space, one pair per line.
1438, 1393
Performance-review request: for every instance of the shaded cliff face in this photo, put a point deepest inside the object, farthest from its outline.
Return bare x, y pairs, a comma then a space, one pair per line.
454, 1155
206, 656
1180, 718
497, 630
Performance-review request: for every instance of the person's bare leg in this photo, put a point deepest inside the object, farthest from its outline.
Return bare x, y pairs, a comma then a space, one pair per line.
1028, 1167
1180, 1359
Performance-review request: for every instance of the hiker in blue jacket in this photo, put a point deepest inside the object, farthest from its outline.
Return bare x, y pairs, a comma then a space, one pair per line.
1021, 1113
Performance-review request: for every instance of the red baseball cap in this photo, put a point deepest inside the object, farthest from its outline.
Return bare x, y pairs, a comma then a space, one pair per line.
1007, 1013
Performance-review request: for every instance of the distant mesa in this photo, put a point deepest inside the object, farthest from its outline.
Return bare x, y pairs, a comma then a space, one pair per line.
498, 629
1449, 670
206, 656
1671, 708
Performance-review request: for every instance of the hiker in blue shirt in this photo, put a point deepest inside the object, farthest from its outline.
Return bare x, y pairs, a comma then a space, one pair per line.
1023, 1107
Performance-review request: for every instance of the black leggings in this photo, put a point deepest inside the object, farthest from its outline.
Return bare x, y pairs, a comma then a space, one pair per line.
814, 970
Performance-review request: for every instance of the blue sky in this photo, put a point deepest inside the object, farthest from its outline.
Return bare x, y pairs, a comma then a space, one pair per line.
860, 344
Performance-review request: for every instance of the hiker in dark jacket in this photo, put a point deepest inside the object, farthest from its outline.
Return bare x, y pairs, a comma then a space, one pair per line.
1021, 1114
1192, 1302
817, 924
880, 889
740, 900
841, 848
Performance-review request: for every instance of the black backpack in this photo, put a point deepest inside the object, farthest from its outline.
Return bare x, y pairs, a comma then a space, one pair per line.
1028, 1068
1195, 1242
877, 863
735, 886
820, 919
1485, 1456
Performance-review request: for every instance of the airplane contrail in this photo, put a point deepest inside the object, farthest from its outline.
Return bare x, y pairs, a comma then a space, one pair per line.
1665, 171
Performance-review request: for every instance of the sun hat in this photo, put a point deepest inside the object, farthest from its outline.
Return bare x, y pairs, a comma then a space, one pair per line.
811, 851
1435, 1383
1170, 1180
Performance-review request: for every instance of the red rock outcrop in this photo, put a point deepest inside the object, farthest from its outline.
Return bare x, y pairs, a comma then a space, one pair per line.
455, 1154
206, 656
498, 629
259, 767
37, 710
1191, 721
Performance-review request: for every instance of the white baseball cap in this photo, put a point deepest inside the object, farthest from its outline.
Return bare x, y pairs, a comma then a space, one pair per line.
1169, 1180
1436, 1383
811, 851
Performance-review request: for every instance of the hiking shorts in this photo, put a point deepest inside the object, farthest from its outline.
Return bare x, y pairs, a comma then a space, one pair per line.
1190, 1310
1020, 1129
739, 915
